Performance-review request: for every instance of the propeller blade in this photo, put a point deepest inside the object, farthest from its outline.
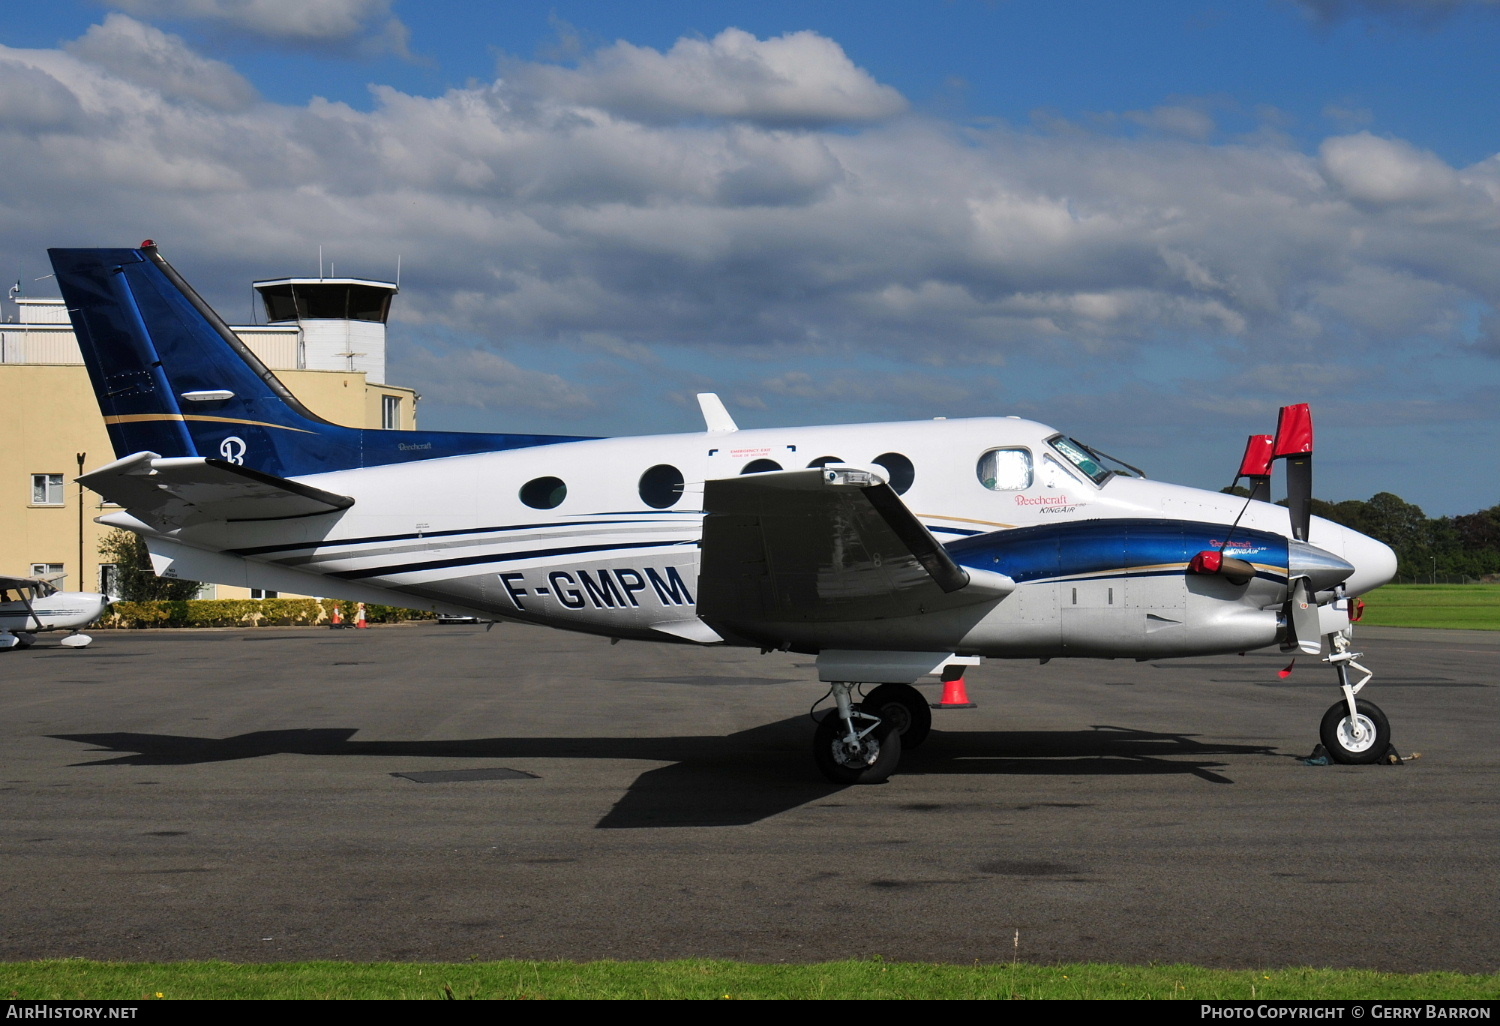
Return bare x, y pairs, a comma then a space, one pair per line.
1256, 466
1301, 614
1294, 443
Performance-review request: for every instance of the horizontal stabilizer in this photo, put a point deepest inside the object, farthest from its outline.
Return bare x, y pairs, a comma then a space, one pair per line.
193, 489
834, 544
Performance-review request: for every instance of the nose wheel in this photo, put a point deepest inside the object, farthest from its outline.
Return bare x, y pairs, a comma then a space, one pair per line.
1354, 732
1355, 740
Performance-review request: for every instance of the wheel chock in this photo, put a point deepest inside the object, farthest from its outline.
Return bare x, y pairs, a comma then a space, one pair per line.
1319, 757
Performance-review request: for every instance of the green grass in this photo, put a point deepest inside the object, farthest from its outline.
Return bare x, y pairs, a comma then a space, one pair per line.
1468, 606
73, 979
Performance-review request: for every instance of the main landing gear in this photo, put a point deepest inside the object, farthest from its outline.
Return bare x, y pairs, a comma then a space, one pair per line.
1354, 732
861, 742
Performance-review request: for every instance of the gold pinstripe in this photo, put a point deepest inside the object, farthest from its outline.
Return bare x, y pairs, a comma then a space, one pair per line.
139, 418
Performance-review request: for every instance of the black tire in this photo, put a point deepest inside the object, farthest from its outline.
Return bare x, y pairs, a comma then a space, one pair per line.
905, 705
873, 763
1339, 740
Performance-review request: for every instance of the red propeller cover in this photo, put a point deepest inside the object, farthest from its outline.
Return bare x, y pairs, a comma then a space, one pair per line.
1257, 459
1294, 431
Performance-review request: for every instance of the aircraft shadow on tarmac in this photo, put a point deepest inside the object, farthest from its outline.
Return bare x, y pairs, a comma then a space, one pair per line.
720, 781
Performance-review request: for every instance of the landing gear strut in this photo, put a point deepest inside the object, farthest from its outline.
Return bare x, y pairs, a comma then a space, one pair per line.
1354, 732
853, 745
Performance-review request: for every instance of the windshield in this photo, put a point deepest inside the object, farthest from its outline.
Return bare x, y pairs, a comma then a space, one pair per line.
1097, 465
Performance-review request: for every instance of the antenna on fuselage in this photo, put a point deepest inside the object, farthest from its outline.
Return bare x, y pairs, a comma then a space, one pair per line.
715, 416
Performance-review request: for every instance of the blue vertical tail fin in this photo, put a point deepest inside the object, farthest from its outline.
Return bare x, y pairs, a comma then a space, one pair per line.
172, 378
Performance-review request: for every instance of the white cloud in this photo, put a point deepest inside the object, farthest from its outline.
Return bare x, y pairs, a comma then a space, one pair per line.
798, 79
150, 57
299, 22
31, 100
545, 210
478, 377
1385, 171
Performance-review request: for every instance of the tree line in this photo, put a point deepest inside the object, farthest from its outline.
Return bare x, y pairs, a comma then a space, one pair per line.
1427, 548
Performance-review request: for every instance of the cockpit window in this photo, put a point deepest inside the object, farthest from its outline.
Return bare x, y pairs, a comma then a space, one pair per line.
1078, 455
1099, 467
1005, 470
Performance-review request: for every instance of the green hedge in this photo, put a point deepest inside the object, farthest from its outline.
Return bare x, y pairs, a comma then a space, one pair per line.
271, 612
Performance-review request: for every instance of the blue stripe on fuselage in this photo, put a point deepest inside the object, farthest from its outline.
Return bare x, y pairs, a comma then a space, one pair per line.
1108, 547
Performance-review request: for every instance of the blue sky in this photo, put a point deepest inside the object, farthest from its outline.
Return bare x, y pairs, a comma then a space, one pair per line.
1147, 225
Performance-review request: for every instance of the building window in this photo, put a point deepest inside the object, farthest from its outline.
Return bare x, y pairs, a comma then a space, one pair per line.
390, 412
46, 489
109, 580
46, 569
257, 593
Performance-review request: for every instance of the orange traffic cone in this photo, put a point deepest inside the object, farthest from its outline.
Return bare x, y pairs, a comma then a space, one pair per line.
955, 692
359, 616
337, 622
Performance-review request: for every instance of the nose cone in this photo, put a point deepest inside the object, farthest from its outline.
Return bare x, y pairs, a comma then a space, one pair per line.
1374, 562
1322, 568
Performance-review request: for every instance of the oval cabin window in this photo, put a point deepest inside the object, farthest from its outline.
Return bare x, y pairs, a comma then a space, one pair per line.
661, 486
544, 492
900, 470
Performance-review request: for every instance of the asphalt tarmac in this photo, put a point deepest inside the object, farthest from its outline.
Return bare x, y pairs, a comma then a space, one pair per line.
441, 792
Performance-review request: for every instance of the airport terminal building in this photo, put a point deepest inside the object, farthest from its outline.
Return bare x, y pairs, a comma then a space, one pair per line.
324, 337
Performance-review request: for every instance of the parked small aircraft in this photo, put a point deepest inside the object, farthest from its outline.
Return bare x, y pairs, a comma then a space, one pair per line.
893, 552
32, 605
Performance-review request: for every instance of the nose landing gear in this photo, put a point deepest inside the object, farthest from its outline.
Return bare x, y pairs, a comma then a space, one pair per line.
1353, 731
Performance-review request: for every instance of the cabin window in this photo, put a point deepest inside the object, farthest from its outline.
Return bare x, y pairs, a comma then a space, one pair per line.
760, 467
46, 489
823, 461
1005, 470
544, 492
661, 486
899, 470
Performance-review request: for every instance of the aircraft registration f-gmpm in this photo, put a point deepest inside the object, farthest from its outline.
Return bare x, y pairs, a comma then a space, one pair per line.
891, 552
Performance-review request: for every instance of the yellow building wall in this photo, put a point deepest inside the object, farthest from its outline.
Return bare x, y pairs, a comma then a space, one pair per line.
48, 416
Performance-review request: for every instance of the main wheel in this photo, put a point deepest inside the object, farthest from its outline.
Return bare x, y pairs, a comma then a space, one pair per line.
872, 761
1338, 737
904, 705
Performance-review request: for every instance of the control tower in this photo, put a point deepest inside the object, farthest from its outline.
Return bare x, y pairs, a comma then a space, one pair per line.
341, 321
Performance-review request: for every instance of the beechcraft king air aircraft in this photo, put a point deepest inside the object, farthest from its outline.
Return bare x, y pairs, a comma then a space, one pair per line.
892, 552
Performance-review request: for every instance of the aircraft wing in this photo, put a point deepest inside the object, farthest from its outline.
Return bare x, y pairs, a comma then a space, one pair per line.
195, 489
830, 544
